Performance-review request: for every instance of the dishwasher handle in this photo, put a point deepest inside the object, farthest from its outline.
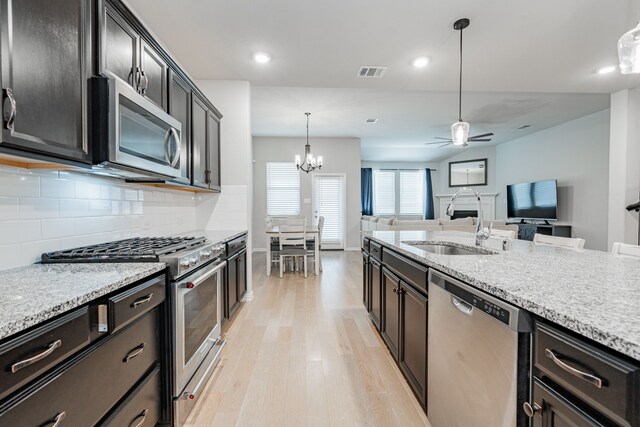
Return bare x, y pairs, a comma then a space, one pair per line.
462, 306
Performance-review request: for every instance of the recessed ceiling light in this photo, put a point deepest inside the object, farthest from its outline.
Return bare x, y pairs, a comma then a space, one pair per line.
261, 57
606, 70
371, 120
420, 62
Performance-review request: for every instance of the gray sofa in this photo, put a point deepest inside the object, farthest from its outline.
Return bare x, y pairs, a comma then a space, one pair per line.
373, 223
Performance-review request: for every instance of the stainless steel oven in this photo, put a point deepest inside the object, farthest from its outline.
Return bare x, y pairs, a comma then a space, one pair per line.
137, 135
197, 343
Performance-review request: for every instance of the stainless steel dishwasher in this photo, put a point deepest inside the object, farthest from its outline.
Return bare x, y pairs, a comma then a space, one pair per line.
473, 367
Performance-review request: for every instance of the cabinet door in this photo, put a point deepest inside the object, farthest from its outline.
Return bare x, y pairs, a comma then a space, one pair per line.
231, 288
375, 311
391, 311
46, 61
153, 75
119, 48
365, 281
553, 410
199, 117
213, 151
242, 274
180, 109
413, 326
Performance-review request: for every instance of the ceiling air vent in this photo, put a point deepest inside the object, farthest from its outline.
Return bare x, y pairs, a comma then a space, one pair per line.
371, 120
372, 72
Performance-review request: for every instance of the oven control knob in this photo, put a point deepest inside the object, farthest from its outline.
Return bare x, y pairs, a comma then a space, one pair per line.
205, 254
193, 261
184, 263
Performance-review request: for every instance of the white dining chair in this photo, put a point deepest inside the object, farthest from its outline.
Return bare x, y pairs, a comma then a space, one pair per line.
505, 234
561, 242
293, 221
311, 243
625, 250
292, 244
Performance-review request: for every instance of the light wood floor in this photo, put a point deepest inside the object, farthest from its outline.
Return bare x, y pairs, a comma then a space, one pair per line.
304, 353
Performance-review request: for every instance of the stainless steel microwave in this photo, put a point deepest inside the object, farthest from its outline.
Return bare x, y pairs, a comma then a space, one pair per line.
132, 135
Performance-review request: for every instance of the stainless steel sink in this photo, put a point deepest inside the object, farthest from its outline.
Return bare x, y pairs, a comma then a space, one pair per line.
447, 249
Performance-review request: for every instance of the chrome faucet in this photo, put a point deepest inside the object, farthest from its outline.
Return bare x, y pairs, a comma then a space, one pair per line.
480, 233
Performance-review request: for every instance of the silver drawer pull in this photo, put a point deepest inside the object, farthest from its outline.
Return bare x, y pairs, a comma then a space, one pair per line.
38, 357
57, 421
142, 414
133, 353
573, 371
141, 301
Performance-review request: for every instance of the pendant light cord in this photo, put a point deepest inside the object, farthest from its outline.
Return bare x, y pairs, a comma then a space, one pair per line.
308, 114
460, 87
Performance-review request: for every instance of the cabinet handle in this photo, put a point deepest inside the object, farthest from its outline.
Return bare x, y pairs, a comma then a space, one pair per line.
10, 117
133, 353
532, 410
38, 357
143, 87
573, 371
142, 414
57, 421
141, 301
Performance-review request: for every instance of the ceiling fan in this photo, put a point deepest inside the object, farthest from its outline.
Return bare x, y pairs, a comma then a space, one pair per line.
460, 129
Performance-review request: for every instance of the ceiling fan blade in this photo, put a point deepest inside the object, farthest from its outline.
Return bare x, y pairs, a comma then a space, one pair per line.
481, 136
439, 137
444, 145
476, 140
433, 143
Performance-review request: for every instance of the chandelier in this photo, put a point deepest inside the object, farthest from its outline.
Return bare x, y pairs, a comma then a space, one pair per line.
309, 163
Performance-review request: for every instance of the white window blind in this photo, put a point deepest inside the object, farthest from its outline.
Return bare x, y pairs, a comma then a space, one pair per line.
411, 192
283, 189
329, 199
384, 192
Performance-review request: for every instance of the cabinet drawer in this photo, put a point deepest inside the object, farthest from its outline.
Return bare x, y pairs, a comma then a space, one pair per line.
236, 245
128, 306
365, 245
412, 272
24, 358
602, 380
375, 250
94, 383
142, 406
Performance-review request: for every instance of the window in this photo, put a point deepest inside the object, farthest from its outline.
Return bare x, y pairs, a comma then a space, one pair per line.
398, 192
283, 189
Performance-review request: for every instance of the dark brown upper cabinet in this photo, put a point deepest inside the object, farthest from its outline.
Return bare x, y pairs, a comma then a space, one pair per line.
46, 64
199, 118
128, 56
213, 151
180, 108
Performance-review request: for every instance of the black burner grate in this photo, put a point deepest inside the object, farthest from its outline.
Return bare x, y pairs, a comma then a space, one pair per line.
140, 249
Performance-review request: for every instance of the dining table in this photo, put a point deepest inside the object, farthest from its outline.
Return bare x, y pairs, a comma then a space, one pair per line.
311, 230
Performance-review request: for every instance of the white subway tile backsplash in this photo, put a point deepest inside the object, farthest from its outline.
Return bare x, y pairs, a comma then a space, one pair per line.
19, 231
59, 227
99, 207
9, 208
19, 185
74, 208
130, 194
33, 208
57, 188
87, 190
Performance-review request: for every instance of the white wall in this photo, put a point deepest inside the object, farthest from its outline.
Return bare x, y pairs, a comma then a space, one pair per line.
624, 166
232, 208
575, 153
340, 155
44, 211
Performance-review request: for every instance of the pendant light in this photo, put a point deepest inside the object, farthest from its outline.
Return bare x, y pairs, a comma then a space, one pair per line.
460, 129
629, 51
309, 163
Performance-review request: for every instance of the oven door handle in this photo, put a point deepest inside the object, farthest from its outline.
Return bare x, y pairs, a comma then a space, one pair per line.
201, 279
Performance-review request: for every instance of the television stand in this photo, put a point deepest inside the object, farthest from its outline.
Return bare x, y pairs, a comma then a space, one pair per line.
526, 231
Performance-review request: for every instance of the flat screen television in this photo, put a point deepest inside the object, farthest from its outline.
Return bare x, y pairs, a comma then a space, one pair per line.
533, 200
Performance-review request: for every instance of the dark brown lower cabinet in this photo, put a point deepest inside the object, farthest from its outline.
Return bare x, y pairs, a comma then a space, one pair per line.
365, 281
553, 410
391, 311
231, 287
375, 287
242, 273
413, 342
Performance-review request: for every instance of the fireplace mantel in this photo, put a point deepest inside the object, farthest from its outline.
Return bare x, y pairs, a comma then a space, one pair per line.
467, 201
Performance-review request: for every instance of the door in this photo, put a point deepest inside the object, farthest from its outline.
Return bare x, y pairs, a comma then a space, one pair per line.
552, 410
153, 75
180, 109
391, 311
46, 62
242, 274
413, 327
329, 202
119, 48
199, 117
376, 294
213, 151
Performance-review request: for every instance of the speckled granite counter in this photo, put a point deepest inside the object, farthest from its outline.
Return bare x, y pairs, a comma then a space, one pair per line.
32, 294
592, 293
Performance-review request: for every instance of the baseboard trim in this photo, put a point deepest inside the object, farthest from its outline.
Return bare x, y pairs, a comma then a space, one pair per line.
248, 296
259, 250
355, 248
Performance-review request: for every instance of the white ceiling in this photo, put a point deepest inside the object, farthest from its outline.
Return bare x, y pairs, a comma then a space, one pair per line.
527, 61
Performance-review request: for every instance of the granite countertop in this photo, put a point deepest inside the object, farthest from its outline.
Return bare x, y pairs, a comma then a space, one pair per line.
32, 294
593, 293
